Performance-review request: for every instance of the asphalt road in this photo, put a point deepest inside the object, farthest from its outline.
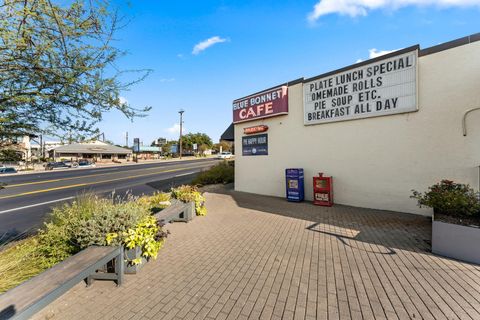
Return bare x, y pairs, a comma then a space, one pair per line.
27, 199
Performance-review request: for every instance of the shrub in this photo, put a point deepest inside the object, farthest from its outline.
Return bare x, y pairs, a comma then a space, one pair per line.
188, 193
223, 172
112, 218
155, 202
56, 240
89, 220
147, 235
450, 198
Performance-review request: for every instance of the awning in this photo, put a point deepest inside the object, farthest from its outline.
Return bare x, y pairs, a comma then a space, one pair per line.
229, 134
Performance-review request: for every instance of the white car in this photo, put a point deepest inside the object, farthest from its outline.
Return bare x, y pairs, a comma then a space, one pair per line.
225, 155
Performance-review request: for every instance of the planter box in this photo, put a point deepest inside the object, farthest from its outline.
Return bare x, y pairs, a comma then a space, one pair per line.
131, 254
188, 212
456, 241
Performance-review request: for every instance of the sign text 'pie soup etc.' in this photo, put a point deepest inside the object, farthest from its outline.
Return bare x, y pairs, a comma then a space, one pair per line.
383, 87
269, 103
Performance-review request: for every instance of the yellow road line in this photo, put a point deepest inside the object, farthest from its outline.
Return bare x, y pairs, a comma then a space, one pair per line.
30, 183
93, 183
78, 177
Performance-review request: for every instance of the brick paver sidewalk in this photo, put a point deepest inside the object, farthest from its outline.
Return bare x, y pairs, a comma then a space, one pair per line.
261, 257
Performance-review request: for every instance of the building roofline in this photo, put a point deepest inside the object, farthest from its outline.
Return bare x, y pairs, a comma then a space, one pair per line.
450, 44
363, 63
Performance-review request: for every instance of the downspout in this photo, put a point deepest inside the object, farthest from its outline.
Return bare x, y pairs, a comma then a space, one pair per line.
464, 120
464, 127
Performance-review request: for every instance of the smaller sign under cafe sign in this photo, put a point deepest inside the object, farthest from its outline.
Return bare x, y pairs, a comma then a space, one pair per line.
255, 129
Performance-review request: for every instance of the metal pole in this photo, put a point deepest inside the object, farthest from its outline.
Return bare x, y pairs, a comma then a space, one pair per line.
181, 126
41, 146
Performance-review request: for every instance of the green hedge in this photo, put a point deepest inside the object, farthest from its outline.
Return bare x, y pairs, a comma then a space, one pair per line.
223, 172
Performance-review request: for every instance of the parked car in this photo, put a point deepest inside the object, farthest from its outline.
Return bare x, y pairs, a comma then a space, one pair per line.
7, 170
70, 164
85, 163
56, 165
225, 155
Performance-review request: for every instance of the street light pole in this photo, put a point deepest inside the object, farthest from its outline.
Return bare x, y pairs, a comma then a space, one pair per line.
181, 125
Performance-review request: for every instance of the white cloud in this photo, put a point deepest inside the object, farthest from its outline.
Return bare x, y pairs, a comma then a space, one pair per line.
373, 53
175, 130
354, 8
199, 47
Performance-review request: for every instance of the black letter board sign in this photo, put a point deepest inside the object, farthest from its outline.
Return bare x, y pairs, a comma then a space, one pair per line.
255, 145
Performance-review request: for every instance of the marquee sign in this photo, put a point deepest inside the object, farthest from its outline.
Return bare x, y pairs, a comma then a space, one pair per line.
384, 87
255, 129
269, 103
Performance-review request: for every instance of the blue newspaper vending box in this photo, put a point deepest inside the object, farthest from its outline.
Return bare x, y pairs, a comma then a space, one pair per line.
294, 181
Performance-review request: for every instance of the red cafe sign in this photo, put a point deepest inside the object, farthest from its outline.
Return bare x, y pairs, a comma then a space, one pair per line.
269, 103
255, 129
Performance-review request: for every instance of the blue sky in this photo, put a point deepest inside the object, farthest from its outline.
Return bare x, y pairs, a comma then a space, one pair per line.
255, 45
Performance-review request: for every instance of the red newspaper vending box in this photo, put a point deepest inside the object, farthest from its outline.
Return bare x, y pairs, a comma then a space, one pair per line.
323, 190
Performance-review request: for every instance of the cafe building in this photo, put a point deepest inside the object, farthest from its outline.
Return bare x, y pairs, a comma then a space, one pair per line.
379, 128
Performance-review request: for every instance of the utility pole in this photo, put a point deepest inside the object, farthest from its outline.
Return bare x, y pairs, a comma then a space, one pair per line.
181, 124
126, 139
41, 146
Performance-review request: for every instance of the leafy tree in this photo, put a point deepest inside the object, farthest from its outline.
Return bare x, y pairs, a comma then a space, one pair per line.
167, 147
57, 67
202, 148
190, 139
225, 146
10, 155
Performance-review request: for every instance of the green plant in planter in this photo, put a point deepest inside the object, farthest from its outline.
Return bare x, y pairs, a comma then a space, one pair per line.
450, 198
146, 235
188, 193
110, 218
155, 202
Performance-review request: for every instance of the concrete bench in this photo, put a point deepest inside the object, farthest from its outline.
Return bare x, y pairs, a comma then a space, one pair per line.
33, 295
177, 211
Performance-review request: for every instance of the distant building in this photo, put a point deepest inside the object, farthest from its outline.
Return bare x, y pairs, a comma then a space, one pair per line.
96, 151
147, 153
22, 146
36, 149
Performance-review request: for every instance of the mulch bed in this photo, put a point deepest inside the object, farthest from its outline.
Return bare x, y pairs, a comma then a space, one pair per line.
464, 221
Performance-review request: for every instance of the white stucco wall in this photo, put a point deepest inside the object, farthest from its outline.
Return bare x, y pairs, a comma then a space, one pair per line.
375, 162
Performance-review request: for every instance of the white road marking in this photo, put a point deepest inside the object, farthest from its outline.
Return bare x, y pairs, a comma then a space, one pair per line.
185, 174
35, 205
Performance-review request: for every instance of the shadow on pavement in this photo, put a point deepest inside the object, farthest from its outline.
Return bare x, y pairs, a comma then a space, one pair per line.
8, 312
386, 230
